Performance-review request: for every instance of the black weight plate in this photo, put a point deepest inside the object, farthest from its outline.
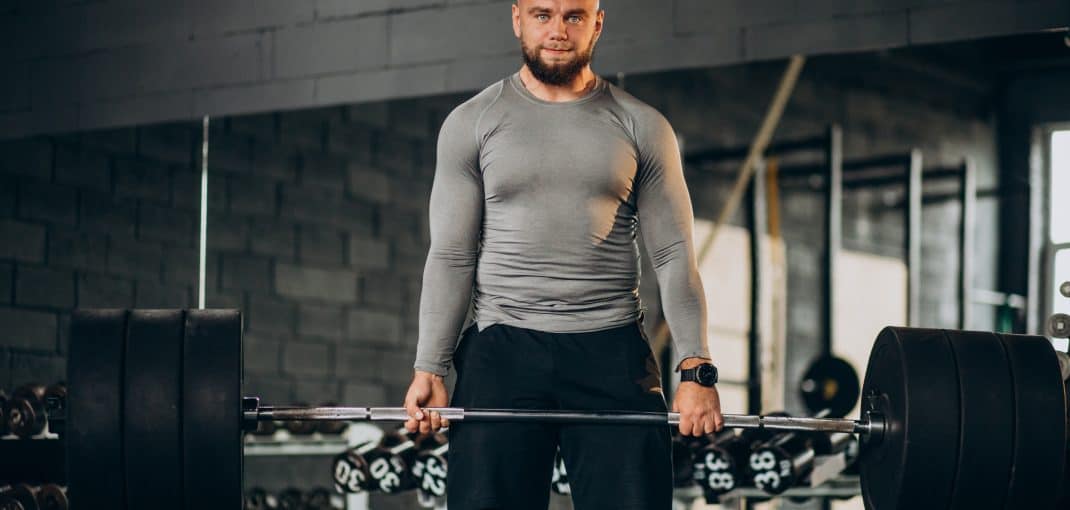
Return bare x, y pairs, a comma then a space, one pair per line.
830, 383
211, 410
913, 373
682, 460
152, 409
986, 433
94, 409
1064, 498
1040, 423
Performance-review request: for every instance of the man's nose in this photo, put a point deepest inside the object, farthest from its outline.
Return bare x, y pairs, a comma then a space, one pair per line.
558, 30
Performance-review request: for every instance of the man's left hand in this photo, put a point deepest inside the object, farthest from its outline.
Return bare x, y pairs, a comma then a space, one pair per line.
699, 407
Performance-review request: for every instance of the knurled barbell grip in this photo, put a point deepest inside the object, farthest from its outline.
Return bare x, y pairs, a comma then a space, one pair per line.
396, 414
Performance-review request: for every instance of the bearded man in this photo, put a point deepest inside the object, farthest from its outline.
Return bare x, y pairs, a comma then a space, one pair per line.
542, 183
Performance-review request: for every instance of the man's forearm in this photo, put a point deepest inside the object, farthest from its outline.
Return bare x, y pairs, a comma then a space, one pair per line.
693, 362
447, 291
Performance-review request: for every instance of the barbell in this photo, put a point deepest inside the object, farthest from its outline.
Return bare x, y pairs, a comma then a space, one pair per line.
155, 415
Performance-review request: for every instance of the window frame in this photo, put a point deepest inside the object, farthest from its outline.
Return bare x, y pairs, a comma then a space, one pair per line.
1047, 286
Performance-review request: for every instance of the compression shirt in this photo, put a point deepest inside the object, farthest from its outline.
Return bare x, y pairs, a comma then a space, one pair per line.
535, 207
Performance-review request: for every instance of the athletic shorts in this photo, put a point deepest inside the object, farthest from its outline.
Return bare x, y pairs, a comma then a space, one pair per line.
509, 465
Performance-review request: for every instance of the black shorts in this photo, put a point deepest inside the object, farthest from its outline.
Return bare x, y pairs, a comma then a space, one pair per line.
509, 465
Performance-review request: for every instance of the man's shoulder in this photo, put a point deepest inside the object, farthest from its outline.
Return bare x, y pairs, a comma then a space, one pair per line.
641, 113
476, 105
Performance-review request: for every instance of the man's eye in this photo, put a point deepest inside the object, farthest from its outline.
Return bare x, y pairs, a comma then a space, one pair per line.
542, 17
574, 19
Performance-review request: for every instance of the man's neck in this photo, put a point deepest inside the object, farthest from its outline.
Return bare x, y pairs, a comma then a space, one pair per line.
572, 91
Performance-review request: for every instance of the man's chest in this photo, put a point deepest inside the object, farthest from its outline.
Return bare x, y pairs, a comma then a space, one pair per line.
582, 159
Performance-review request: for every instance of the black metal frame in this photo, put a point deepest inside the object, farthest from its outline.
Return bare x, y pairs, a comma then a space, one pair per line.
836, 175
830, 145
911, 176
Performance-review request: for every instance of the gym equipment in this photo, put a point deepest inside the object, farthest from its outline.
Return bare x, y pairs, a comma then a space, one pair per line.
430, 466
831, 385
559, 478
26, 411
924, 394
720, 466
52, 497
1059, 325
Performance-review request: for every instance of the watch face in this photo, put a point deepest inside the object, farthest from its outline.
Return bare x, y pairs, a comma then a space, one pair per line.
707, 375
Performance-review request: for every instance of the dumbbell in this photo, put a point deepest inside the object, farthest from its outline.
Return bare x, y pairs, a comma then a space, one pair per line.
430, 467
52, 497
300, 427
559, 480
390, 463
291, 499
259, 499
19, 497
26, 410
266, 428
331, 427
27, 414
55, 402
776, 465
721, 466
1064, 289
350, 469
684, 450
321, 498
383, 467
788, 458
826, 444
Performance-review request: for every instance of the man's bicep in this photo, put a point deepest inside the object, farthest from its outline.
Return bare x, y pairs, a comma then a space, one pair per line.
664, 204
456, 204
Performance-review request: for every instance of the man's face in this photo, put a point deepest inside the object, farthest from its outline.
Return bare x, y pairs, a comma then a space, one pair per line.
557, 37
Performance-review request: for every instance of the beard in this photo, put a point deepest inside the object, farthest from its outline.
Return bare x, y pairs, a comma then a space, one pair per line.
556, 74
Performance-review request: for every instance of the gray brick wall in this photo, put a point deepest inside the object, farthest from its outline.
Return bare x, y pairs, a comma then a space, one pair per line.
89, 65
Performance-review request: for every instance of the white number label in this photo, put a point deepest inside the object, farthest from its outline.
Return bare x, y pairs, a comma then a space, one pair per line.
762, 461
388, 480
714, 462
721, 481
767, 480
347, 477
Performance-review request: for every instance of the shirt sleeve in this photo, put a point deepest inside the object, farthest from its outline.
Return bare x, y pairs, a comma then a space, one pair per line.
456, 217
666, 223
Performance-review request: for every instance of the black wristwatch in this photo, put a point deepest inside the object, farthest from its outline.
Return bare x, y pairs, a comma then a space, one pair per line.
704, 374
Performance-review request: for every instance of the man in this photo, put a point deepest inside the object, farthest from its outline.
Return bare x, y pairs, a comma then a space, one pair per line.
541, 182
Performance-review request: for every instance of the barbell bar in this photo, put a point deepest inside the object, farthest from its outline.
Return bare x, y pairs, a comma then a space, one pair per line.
943, 413
871, 425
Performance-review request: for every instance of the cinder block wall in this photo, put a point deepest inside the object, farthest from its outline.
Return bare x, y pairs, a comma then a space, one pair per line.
79, 65
318, 228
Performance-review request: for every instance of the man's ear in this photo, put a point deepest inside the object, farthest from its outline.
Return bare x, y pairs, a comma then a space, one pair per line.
598, 21
516, 19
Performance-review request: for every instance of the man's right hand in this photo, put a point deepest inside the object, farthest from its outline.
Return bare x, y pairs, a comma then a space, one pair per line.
426, 390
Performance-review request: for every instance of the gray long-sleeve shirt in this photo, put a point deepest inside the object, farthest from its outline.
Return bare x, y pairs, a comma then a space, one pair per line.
534, 211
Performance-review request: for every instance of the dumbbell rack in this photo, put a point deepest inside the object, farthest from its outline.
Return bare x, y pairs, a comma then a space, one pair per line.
842, 486
284, 444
